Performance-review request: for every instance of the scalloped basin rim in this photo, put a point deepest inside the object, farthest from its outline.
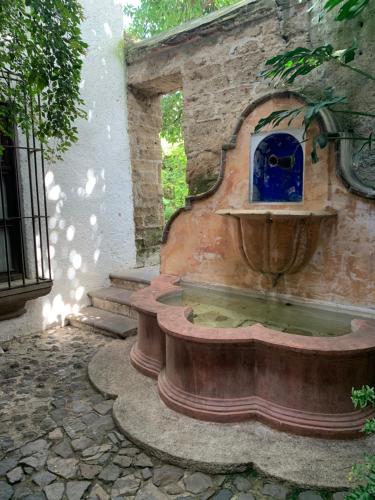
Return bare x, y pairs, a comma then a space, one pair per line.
175, 321
219, 375
257, 212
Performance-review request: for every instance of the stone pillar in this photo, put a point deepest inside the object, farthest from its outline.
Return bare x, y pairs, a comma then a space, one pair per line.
146, 162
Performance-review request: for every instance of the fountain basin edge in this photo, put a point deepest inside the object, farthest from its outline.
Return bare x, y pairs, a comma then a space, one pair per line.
289, 382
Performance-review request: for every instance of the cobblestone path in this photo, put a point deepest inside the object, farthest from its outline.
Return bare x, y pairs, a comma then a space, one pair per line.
58, 439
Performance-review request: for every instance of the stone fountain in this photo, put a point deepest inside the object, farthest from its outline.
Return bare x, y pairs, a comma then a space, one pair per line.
271, 214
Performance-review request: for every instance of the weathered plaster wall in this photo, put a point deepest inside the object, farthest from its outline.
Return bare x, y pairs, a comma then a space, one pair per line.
217, 64
205, 247
219, 76
90, 192
218, 69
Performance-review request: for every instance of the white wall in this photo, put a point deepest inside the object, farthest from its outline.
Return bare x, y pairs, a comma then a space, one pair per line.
90, 192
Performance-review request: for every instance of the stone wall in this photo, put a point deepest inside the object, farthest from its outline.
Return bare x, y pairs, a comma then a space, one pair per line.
216, 62
359, 91
144, 127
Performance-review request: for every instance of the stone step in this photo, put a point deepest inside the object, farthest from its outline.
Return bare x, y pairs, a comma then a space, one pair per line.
133, 279
107, 323
113, 299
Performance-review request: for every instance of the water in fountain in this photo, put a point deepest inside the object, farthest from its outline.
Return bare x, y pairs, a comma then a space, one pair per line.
223, 309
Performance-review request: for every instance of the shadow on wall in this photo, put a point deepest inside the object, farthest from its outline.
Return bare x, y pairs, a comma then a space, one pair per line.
70, 260
90, 192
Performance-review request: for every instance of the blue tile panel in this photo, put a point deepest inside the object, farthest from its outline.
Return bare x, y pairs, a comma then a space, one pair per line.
278, 169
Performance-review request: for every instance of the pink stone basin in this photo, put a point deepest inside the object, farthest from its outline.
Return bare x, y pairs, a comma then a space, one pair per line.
291, 382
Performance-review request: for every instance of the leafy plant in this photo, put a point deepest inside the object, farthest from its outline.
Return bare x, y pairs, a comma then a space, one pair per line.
348, 8
364, 473
363, 397
301, 61
310, 111
42, 47
175, 188
172, 106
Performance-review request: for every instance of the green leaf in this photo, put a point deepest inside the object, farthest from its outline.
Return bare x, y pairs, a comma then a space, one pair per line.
172, 106
369, 427
276, 117
175, 188
349, 8
363, 397
331, 4
42, 43
297, 62
310, 111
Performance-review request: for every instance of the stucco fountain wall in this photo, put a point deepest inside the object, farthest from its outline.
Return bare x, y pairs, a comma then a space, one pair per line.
203, 246
217, 63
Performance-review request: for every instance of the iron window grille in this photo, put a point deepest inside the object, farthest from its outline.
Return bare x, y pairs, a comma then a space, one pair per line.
24, 242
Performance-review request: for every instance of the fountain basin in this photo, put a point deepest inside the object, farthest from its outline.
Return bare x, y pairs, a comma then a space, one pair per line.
291, 382
278, 242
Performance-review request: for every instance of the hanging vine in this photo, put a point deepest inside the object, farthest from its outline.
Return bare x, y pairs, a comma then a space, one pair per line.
41, 45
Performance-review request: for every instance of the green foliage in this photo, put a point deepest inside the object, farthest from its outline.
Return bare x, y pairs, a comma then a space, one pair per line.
363, 474
41, 42
348, 8
299, 61
155, 16
173, 175
369, 427
363, 397
175, 188
172, 106
310, 111
302, 61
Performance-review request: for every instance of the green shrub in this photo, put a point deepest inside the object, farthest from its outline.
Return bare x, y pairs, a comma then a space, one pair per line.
175, 188
363, 474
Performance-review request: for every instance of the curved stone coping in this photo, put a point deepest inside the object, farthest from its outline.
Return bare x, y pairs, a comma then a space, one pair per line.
145, 300
174, 320
214, 447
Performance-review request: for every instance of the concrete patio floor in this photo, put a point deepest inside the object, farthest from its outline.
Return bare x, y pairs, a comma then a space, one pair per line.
58, 439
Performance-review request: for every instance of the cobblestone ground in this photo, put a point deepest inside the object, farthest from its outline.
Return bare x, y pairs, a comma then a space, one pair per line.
58, 439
